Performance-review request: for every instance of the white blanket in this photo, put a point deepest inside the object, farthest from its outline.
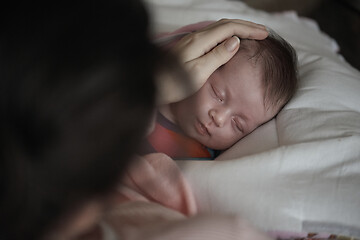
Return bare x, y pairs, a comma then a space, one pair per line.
301, 171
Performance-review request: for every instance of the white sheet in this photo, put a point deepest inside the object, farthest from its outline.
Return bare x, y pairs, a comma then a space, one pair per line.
301, 171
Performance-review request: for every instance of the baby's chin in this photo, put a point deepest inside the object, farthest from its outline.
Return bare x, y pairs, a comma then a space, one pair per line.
210, 142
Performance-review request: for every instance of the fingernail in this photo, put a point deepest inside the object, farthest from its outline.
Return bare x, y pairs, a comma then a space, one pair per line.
232, 43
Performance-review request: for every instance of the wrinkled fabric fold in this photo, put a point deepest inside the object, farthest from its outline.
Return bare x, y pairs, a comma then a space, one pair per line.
156, 178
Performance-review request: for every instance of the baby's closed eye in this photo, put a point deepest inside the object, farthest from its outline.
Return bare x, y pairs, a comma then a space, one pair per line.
217, 94
237, 124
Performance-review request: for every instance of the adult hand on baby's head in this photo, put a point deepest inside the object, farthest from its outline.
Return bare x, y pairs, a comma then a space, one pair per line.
206, 49
202, 52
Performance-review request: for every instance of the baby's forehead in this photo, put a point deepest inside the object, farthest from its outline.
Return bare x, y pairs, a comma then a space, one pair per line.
249, 44
249, 58
251, 50
243, 71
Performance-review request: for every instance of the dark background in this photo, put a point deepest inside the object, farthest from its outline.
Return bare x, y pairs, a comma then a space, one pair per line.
340, 19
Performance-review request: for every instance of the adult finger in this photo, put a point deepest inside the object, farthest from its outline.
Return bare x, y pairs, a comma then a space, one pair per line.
236, 21
201, 68
197, 44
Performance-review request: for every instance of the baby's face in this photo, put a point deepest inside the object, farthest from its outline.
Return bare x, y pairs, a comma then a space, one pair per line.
229, 106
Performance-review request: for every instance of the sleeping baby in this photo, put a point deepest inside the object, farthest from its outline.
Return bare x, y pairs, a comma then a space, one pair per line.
238, 97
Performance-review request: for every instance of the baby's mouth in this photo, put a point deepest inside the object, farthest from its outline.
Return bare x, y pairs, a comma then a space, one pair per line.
202, 129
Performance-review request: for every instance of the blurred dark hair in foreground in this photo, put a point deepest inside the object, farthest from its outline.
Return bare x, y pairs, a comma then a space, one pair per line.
77, 91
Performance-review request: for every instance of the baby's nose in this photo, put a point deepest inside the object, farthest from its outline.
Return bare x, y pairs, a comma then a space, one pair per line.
219, 116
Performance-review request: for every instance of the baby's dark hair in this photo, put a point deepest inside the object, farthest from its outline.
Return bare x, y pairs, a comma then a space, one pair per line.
279, 62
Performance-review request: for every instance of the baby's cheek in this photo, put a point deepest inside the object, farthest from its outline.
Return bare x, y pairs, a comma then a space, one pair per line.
225, 138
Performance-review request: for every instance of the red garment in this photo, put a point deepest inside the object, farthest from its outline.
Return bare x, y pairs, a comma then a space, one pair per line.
169, 139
